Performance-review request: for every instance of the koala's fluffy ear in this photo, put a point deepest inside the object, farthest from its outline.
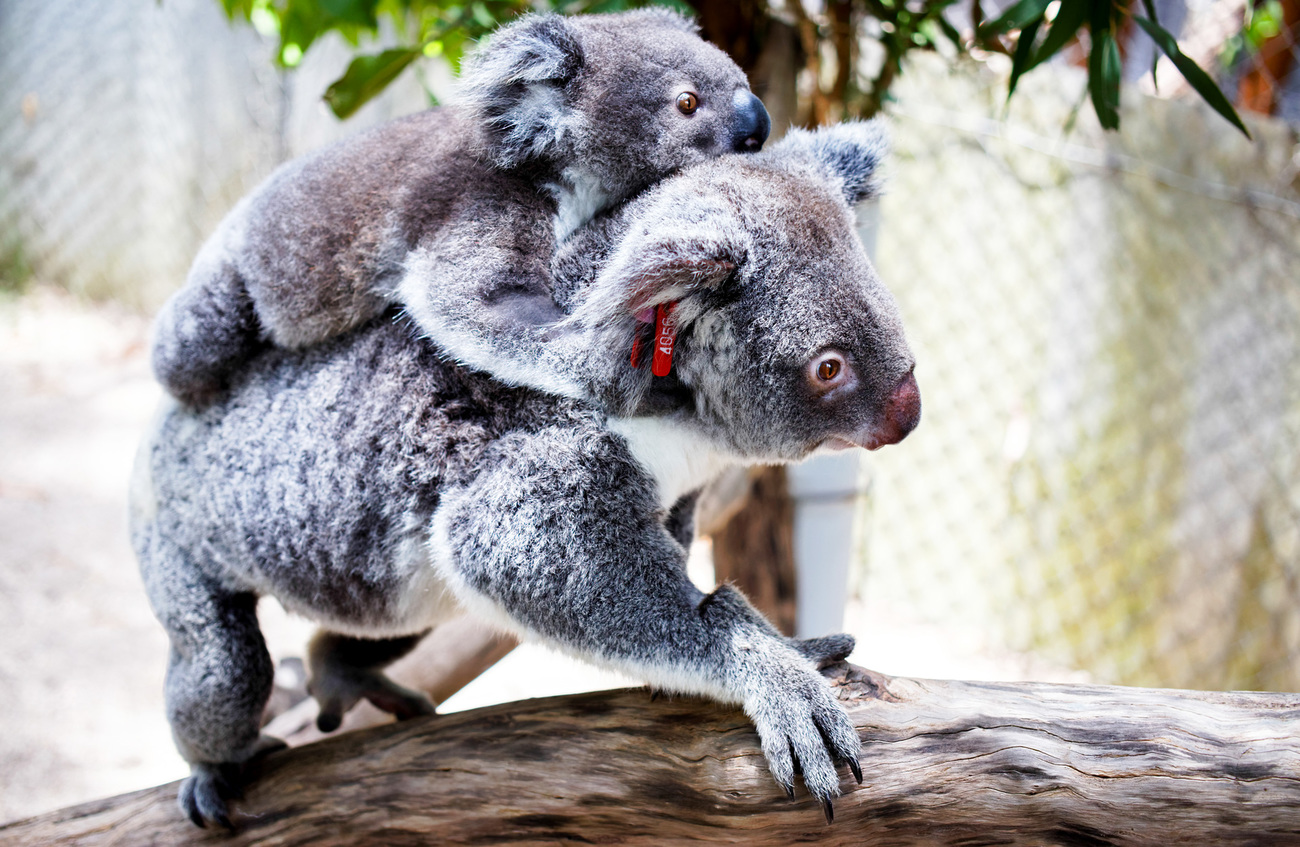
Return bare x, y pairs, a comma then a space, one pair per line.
516, 84
851, 153
682, 247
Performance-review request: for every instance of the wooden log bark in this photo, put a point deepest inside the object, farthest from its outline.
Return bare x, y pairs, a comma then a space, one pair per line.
945, 763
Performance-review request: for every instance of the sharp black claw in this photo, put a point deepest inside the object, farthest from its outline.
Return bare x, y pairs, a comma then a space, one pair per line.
829, 810
197, 819
789, 791
857, 770
654, 694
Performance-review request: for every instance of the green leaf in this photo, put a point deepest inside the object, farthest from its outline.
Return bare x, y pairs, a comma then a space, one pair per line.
1104, 77
1196, 78
1018, 16
1024, 51
366, 77
358, 12
1150, 6
1069, 18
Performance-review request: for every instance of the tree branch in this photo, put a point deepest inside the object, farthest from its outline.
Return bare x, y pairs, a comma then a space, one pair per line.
945, 763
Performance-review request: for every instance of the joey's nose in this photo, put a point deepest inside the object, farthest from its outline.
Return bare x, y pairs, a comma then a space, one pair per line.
752, 123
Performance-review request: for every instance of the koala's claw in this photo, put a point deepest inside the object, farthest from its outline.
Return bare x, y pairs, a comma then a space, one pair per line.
805, 731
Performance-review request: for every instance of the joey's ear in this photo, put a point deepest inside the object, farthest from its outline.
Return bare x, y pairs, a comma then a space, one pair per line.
851, 153
676, 250
515, 82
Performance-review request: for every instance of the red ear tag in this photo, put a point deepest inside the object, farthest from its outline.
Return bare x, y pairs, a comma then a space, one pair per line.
665, 336
642, 338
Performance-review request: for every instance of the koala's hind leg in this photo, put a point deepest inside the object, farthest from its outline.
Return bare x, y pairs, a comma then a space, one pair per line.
204, 332
345, 670
218, 680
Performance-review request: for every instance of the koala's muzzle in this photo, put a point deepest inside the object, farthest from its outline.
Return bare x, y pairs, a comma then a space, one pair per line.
752, 123
901, 414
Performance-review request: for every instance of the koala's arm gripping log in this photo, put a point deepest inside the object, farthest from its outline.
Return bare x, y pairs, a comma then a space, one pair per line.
565, 536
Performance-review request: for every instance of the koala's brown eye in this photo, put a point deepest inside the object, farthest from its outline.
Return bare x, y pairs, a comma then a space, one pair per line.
828, 370
687, 102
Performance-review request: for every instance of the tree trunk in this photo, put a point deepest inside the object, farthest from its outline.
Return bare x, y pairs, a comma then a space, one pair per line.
945, 763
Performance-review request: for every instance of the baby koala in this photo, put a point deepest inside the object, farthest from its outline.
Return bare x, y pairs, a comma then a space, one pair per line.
455, 213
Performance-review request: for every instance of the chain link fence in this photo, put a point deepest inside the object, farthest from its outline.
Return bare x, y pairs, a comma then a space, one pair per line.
1108, 335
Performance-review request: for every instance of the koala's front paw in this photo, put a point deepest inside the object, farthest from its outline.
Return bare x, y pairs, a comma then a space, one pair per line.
826, 650
803, 726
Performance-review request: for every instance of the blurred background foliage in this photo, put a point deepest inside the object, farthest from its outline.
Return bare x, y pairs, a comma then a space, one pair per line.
1031, 32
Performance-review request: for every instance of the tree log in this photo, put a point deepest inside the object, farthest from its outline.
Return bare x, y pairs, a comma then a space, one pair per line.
945, 763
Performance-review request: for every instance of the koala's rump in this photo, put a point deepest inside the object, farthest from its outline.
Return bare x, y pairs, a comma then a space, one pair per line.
316, 479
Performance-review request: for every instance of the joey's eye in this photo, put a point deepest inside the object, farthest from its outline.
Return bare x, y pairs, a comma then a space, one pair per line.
828, 369
687, 102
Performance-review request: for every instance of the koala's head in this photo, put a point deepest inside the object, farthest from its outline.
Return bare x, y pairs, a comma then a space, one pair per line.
787, 340
623, 99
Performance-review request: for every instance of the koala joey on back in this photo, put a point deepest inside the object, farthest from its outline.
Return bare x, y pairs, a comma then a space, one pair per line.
377, 488
454, 213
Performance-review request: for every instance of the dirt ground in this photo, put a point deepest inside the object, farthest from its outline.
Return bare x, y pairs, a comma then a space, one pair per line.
81, 657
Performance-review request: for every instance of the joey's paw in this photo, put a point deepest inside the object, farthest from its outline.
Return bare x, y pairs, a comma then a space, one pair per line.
825, 650
204, 794
339, 692
804, 729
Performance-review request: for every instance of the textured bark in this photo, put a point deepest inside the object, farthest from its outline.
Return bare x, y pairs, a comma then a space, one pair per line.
945, 763
754, 550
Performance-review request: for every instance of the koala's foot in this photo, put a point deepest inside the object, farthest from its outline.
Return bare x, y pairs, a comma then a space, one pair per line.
805, 730
345, 670
340, 690
826, 650
205, 793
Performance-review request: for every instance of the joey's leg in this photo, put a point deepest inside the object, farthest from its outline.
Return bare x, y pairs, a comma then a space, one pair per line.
563, 534
344, 670
204, 332
218, 680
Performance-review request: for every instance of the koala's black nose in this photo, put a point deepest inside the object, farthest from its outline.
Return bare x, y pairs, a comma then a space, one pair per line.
752, 123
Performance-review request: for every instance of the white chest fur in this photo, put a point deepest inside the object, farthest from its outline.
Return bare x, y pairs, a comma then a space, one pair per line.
680, 459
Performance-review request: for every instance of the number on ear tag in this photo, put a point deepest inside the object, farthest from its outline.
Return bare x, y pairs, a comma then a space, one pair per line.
665, 337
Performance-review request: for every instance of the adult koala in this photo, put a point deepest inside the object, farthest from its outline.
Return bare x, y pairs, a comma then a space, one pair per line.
375, 487
455, 213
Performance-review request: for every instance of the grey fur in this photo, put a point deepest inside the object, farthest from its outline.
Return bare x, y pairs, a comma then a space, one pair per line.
376, 487
455, 213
